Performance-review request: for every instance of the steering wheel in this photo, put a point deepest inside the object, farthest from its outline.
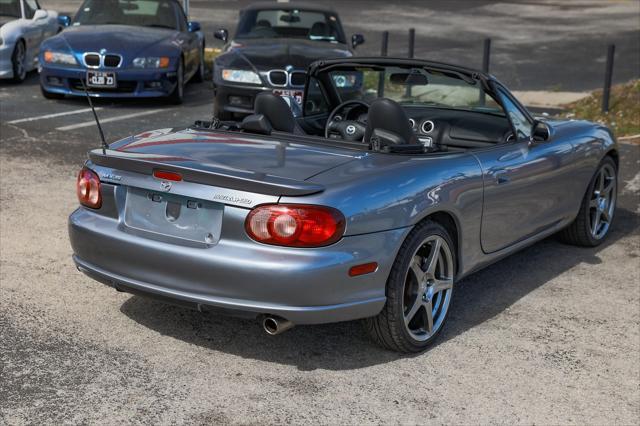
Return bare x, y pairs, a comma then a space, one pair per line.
349, 130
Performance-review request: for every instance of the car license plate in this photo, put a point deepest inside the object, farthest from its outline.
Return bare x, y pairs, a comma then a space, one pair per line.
161, 214
101, 79
295, 94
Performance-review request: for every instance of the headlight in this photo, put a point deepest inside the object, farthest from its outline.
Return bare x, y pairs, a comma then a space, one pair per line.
151, 62
59, 58
240, 76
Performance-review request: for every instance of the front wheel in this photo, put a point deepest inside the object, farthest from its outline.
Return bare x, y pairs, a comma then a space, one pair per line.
597, 209
19, 62
419, 291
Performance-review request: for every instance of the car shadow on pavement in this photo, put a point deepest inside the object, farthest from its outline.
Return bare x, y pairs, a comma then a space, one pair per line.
345, 346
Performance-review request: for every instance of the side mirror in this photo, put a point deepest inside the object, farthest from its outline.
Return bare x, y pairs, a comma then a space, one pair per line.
64, 20
540, 132
193, 26
40, 14
222, 34
356, 40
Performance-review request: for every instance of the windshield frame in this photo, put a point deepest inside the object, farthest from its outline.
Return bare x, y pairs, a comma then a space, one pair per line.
85, 3
241, 33
447, 84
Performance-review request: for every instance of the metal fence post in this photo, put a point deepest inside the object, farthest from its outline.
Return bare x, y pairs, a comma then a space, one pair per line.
383, 52
608, 76
486, 55
412, 42
385, 43
485, 66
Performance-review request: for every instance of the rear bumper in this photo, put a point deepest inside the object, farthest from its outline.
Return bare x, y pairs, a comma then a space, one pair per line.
305, 286
131, 83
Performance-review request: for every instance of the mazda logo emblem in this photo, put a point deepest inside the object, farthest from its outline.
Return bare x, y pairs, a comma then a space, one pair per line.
166, 186
351, 129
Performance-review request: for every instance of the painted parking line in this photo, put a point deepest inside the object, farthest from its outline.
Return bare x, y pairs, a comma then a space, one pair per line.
109, 120
58, 114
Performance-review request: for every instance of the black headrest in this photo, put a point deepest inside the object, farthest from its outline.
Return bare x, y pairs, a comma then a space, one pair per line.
277, 111
263, 23
320, 29
387, 115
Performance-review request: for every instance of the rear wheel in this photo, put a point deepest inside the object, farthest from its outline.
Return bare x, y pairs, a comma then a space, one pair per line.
177, 96
19, 62
597, 209
419, 291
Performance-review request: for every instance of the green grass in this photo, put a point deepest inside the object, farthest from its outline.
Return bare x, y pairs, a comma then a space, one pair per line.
624, 109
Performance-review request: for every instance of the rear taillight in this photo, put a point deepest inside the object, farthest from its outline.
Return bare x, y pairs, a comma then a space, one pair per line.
88, 189
295, 225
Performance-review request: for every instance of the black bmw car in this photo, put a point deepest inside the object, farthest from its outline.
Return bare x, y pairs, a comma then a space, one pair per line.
273, 45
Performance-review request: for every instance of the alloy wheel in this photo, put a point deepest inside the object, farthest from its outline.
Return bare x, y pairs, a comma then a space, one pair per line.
19, 59
428, 288
603, 202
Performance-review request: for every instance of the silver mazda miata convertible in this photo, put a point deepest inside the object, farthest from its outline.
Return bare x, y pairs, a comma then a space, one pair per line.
394, 180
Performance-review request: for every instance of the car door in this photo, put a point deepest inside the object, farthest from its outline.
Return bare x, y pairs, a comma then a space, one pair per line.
36, 29
31, 32
524, 191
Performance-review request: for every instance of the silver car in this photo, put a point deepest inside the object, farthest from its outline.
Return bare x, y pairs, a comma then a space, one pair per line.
399, 178
23, 26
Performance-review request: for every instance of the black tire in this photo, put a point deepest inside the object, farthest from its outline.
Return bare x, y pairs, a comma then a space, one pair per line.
18, 62
580, 232
177, 96
388, 328
50, 95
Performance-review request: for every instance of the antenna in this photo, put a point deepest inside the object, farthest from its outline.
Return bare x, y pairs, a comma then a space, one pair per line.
104, 143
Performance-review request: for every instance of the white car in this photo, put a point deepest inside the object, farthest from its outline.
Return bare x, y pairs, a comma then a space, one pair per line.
23, 26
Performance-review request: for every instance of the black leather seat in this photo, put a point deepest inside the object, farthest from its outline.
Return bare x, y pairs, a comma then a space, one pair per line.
389, 116
320, 30
277, 112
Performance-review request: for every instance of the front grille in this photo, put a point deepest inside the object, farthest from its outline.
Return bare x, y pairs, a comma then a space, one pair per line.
112, 61
92, 60
298, 78
278, 78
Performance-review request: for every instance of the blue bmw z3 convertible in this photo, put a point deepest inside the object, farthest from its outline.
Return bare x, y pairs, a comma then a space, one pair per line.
123, 48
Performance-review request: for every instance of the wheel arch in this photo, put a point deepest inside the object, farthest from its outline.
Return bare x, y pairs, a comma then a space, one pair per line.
615, 156
450, 222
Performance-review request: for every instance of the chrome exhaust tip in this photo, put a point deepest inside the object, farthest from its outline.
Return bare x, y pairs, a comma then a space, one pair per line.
275, 325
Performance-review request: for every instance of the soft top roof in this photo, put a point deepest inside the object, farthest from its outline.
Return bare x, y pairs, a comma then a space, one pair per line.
390, 61
287, 6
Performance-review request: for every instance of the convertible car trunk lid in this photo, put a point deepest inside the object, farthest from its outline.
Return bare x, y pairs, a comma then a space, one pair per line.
225, 159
